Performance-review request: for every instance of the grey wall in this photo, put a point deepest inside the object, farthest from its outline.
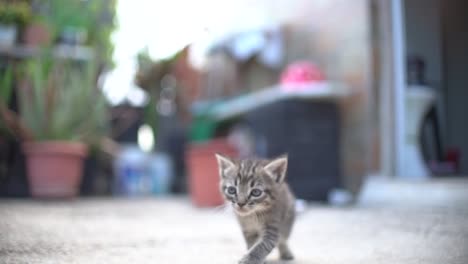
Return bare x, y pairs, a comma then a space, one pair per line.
423, 24
437, 30
424, 36
455, 32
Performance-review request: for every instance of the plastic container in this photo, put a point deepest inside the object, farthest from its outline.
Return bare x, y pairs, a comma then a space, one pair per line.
139, 173
160, 170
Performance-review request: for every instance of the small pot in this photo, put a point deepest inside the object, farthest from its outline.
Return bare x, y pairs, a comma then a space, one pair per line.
8, 35
203, 171
54, 168
36, 34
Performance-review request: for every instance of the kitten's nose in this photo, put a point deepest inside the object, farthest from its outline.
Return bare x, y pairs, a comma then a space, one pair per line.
240, 204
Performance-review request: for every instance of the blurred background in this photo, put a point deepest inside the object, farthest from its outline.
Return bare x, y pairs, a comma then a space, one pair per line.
132, 98
111, 112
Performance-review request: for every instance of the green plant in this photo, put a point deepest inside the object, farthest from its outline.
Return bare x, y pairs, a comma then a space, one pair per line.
58, 100
9, 120
61, 101
103, 14
6, 83
96, 17
67, 14
148, 77
16, 12
6, 88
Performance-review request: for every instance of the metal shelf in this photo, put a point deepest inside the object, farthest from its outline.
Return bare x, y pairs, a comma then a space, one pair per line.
73, 52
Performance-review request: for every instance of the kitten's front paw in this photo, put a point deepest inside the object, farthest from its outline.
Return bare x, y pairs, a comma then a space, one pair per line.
249, 260
287, 256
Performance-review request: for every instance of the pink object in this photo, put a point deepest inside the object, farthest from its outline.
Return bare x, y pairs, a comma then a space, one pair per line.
301, 72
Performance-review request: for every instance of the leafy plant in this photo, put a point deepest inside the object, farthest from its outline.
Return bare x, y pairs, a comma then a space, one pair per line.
15, 12
6, 88
103, 14
96, 17
6, 84
148, 77
58, 100
66, 14
61, 101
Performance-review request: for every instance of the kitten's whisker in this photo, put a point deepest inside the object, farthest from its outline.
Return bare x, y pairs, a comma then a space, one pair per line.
220, 209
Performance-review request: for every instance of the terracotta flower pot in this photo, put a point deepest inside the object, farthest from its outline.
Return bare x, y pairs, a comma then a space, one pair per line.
36, 34
203, 171
54, 168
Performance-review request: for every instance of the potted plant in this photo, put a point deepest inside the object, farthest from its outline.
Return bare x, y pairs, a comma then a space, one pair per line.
75, 22
12, 15
70, 21
5, 94
61, 113
37, 33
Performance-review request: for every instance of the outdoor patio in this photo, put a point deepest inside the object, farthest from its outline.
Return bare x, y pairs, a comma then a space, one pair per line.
423, 225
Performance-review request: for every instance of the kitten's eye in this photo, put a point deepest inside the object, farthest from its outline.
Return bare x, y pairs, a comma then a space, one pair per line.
231, 190
256, 192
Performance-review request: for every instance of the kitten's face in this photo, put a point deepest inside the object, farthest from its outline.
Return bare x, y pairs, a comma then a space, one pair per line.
250, 185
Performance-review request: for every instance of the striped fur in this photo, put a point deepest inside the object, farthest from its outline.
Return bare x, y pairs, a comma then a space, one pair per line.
266, 215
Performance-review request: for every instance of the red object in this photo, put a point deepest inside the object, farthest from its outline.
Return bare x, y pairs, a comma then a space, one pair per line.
36, 34
54, 168
301, 72
453, 155
203, 171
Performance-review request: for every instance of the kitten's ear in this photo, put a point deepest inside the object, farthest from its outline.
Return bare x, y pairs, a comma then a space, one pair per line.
224, 164
276, 168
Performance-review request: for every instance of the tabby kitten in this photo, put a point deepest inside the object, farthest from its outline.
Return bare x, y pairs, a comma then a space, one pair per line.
263, 204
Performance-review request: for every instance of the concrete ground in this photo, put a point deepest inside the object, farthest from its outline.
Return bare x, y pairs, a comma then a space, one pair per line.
394, 223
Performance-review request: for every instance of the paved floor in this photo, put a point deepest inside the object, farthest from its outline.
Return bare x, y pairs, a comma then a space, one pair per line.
171, 231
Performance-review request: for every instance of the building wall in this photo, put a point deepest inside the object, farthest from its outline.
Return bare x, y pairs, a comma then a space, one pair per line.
424, 36
340, 41
334, 34
456, 64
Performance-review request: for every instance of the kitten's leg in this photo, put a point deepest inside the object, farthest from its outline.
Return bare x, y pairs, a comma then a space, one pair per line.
284, 251
250, 238
263, 247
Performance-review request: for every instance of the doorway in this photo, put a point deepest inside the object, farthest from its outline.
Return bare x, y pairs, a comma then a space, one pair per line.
437, 38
